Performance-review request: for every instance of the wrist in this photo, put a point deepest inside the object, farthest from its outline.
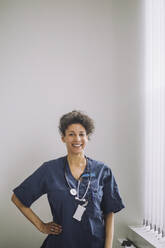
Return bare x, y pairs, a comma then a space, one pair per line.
108, 243
40, 226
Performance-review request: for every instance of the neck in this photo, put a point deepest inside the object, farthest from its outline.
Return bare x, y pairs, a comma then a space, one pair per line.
76, 160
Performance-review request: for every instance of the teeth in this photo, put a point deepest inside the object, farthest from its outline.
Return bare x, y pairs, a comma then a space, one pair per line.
77, 145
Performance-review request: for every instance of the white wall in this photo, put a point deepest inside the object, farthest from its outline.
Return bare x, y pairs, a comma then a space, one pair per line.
128, 134
57, 56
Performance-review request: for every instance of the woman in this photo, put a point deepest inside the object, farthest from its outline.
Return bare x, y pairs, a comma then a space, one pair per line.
82, 192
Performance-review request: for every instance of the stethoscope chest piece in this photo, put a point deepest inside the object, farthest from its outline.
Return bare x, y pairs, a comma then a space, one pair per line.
73, 191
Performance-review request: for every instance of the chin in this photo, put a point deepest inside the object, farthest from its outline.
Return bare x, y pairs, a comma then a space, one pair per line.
78, 152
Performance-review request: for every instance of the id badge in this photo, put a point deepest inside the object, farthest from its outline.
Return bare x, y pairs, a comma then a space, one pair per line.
79, 212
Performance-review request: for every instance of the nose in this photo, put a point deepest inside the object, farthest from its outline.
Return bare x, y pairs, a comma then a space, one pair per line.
77, 137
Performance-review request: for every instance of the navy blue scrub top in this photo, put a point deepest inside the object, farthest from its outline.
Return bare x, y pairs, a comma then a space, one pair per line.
103, 197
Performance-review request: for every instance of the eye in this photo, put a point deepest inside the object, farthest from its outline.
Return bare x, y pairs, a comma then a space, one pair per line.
71, 134
82, 134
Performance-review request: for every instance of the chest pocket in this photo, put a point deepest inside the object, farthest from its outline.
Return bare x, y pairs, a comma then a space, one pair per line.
97, 195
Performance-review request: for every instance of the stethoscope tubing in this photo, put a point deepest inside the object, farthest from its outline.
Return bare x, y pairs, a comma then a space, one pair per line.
79, 181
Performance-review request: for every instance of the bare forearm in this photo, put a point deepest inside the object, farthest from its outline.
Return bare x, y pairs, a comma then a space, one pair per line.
47, 228
109, 230
28, 213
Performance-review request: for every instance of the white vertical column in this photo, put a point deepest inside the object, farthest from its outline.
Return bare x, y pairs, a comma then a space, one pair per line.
162, 110
148, 112
163, 113
155, 113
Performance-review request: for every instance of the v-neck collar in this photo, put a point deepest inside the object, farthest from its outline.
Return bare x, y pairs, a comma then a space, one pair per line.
69, 173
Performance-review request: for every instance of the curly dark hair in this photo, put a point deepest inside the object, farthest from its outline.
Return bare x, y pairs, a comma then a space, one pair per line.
76, 117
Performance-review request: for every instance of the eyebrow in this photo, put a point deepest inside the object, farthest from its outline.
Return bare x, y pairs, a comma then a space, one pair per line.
71, 131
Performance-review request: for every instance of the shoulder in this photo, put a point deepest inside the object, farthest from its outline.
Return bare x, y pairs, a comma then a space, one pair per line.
54, 165
98, 163
55, 162
100, 166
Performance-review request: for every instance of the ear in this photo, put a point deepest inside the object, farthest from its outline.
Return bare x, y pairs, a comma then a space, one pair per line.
63, 138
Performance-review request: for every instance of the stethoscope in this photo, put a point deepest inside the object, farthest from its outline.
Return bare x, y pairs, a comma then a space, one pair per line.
75, 192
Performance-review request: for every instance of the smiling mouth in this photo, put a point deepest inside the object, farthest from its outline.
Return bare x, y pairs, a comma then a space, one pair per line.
77, 145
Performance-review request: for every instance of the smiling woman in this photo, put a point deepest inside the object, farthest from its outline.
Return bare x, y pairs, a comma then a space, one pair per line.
86, 186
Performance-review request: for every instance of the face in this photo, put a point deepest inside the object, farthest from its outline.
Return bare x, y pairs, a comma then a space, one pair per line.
75, 138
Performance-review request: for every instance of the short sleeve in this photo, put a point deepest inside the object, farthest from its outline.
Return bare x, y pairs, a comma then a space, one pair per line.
111, 201
32, 187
